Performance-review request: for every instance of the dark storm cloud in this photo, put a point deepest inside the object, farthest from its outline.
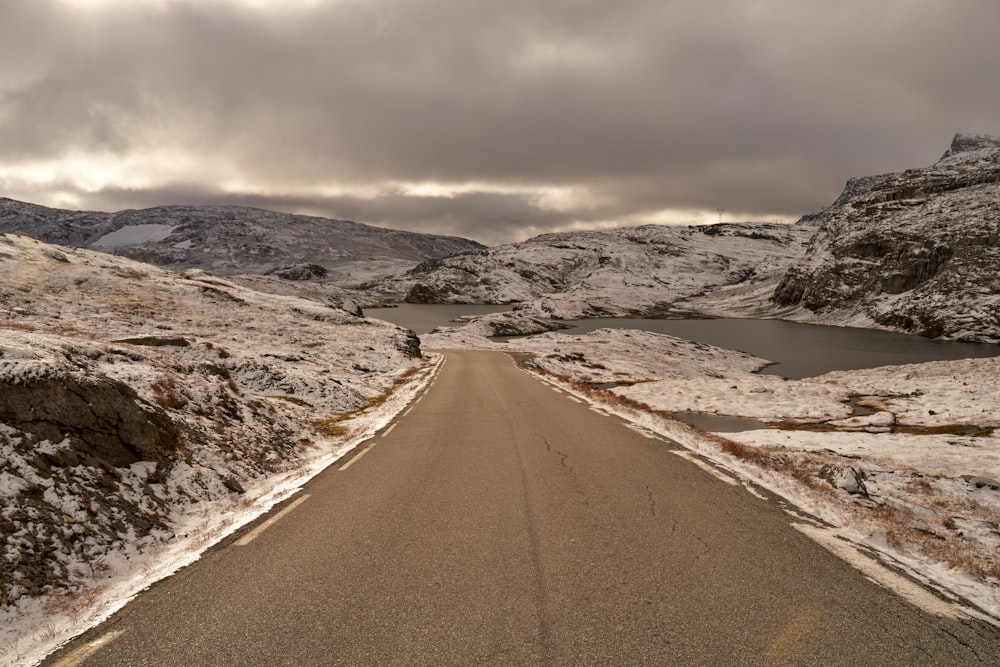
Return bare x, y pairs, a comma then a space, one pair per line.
762, 108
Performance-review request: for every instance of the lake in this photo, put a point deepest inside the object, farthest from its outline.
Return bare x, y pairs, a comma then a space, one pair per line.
798, 350
423, 318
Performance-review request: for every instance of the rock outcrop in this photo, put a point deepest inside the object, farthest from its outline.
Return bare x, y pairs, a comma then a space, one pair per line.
104, 420
915, 251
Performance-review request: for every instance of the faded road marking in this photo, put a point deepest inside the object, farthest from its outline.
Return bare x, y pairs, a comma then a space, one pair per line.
900, 585
711, 470
356, 458
256, 532
796, 639
384, 433
78, 655
640, 430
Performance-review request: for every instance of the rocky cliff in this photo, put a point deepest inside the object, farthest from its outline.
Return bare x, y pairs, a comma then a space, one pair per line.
916, 251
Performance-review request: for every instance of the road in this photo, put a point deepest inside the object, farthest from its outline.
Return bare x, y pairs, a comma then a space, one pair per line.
502, 523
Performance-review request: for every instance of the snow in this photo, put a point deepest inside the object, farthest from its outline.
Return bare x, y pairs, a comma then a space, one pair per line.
233, 239
134, 234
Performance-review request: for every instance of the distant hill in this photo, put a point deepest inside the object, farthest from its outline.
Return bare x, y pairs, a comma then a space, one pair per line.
631, 271
230, 240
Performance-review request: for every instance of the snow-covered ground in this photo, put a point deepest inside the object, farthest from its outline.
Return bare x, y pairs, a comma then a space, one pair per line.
145, 414
901, 460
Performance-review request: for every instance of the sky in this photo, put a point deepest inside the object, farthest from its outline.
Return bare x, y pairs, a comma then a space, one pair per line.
491, 120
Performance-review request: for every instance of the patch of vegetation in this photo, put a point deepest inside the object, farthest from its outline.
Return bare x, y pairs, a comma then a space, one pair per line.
295, 400
334, 426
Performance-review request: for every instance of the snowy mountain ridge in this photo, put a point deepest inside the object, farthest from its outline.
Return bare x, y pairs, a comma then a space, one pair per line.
915, 251
228, 240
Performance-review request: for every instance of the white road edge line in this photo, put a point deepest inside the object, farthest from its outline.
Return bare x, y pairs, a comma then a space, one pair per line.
356, 458
898, 584
711, 470
599, 411
573, 398
387, 431
256, 532
78, 655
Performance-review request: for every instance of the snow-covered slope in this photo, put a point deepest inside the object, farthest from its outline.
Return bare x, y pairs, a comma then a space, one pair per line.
916, 251
231, 239
630, 271
134, 398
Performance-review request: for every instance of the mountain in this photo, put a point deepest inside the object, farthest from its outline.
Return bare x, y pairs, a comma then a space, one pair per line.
634, 271
227, 240
916, 251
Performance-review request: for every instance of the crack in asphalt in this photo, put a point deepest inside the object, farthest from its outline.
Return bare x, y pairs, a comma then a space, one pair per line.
652, 502
563, 456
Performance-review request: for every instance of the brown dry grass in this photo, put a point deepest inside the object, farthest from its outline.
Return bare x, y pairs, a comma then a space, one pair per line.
167, 395
334, 426
74, 603
902, 530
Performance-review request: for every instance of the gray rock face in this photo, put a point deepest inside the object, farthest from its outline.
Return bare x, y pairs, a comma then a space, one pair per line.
300, 272
915, 251
983, 483
104, 420
847, 479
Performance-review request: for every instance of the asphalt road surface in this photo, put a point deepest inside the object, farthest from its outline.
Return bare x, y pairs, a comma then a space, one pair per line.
502, 523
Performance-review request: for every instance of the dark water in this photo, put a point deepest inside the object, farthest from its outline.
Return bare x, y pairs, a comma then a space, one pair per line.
803, 350
798, 350
720, 423
421, 318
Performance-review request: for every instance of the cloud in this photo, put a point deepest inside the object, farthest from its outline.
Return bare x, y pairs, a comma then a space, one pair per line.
639, 107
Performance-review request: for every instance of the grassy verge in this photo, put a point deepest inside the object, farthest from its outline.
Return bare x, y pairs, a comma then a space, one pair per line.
335, 426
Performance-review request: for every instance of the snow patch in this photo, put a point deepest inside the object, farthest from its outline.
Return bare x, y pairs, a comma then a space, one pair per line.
133, 235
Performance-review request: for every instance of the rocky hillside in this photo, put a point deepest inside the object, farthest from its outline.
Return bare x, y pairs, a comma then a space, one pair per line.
131, 396
227, 240
916, 251
638, 271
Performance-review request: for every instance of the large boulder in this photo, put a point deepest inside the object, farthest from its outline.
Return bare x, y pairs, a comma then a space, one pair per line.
105, 421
